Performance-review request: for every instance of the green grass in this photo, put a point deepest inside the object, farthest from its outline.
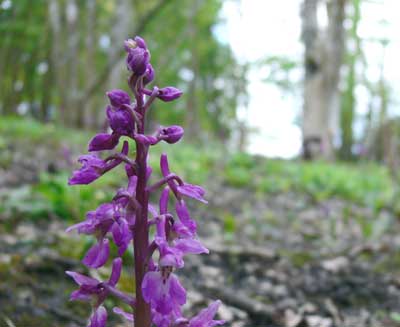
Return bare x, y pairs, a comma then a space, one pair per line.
362, 183
17, 129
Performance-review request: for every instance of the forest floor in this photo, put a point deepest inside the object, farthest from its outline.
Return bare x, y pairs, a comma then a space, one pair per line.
277, 259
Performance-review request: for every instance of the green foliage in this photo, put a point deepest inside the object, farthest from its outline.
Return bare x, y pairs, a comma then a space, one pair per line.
16, 129
366, 184
395, 316
361, 183
23, 202
70, 202
185, 49
280, 72
229, 223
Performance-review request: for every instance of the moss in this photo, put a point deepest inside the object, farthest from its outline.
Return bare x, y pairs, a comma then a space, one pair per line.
297, 258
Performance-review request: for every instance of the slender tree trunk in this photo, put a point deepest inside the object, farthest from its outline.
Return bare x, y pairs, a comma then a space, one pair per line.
323, 60
88, 106
12, 96
192, 115
47, 91
348, 98
120, 31
57, 57
384, 125
73, 110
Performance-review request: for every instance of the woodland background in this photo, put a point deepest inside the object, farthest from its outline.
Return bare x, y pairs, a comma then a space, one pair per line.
311, 241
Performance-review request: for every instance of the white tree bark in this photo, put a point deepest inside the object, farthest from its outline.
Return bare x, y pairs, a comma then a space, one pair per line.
121, 30
58, 59
323, 60
72, 87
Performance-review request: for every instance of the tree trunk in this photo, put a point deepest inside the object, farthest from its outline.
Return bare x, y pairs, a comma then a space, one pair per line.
123, 25
348, 98
192, 125
57, 57
73, 110
88, 114
323, 60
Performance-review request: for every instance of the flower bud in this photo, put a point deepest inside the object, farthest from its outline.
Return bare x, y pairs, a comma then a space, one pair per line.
148, 75
129, 44
138, 56
118, 98
121, 121
169, 93
103, 141
140, 42
146, 139
171, 134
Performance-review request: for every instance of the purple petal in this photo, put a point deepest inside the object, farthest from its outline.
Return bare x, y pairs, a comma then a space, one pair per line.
103, 141
122, 235
164, 165
152, 210
117, 233
92, 168
151, 286
115, 271
118, 97
192, 191
137, 60
169, 255
206, 316
146, 139
83, 227
157, 292
121, 121
172, 260
99, 317
140, 42
181, 230
98, 254
164, 201
84, 176
132, 184
189, 245
82, 279
169, 93
171, 134
80, 295
176, 291
105, 212
148, 75
127, 316
160, 231
184, 216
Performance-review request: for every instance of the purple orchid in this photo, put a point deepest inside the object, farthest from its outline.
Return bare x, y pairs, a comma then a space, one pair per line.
129, 216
